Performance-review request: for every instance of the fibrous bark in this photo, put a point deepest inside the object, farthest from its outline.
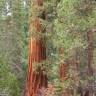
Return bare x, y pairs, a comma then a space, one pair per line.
90, 51
36, 78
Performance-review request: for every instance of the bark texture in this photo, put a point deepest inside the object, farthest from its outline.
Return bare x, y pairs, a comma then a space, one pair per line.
90, 51
36, 77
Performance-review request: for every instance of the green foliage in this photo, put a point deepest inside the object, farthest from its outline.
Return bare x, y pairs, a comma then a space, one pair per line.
13, 39
69, 26
8, 80
70, 13
66, 26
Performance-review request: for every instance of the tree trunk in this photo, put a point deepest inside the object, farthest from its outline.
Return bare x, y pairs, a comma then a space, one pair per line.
90, 52
36, 78
63, 67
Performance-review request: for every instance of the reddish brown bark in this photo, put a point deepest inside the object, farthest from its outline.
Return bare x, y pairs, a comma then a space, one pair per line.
36, 78
87, 93
63, 67
38, 2
63, 71
90, 51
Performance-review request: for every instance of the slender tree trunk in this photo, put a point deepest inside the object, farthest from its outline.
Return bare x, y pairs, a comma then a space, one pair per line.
90, 58
36, 77
63, 68
90, 52
63, 71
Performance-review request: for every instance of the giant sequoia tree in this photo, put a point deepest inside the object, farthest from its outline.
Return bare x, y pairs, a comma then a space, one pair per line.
37, 49
60, 44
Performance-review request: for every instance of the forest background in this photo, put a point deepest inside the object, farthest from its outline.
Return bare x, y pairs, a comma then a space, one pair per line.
70, 39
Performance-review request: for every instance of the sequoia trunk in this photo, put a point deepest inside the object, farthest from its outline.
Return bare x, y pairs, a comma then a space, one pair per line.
36, 77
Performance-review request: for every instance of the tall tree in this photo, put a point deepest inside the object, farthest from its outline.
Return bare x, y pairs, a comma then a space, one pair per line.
36, 78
